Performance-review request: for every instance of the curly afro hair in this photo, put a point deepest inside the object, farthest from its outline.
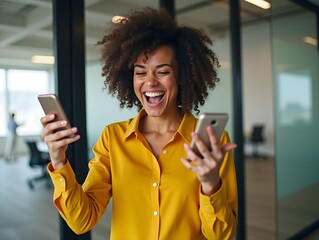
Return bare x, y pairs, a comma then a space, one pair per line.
144, 31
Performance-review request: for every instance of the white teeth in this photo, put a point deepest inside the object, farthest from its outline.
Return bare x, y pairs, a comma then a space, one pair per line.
153, 94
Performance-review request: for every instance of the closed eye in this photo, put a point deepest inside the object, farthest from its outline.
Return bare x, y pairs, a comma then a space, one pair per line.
140, 73
163, 72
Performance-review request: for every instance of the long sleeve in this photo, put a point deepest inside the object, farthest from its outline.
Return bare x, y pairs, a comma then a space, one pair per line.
79, 207
218, 212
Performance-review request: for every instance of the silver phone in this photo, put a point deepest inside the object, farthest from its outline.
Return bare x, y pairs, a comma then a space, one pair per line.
51, 105
216, 120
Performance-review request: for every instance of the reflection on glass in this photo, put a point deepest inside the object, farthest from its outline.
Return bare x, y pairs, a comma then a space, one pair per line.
297, 127
3, 121
295, 96
24, 87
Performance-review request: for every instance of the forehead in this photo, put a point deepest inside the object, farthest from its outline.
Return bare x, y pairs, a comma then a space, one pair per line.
162, 53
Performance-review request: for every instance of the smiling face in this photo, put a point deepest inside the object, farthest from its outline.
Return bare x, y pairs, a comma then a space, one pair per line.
155, 81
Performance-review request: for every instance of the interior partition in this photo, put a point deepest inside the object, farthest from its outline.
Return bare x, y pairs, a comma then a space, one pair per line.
296, 91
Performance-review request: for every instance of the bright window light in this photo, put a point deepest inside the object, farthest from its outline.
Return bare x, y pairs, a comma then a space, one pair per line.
310, 40
42, 59
23, 88
260, 3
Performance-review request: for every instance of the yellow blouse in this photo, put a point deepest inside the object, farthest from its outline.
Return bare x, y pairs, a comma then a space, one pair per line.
152, 199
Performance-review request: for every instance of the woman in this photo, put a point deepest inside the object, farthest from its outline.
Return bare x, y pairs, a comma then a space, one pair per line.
160, 188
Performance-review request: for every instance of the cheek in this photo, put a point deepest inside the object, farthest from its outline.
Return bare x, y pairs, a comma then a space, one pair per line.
173, 85
136, 86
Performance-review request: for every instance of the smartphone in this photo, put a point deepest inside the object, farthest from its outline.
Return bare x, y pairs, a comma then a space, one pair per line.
51, 104
216, 120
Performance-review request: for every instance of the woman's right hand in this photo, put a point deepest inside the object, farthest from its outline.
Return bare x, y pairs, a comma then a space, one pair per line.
57, 139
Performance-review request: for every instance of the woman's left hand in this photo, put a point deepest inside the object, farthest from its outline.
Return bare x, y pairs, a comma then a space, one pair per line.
207, 166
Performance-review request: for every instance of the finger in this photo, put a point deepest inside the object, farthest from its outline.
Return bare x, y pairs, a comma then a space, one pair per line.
52, 127
56, 131
65, 133
46, 119
189, 164
56, 145
201, 171
229, 146
206, 158
202, 148
214, 142
191, 155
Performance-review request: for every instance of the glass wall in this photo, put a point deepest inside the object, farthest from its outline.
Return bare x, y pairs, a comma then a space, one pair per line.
26, 30
3, 127
23, 88
296, 86
26, 34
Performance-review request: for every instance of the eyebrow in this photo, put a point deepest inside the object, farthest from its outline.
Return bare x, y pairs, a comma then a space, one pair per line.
158, 66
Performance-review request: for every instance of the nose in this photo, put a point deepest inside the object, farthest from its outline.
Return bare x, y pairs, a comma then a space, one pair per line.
151, 80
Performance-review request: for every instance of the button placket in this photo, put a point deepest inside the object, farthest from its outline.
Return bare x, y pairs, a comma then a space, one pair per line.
155, 203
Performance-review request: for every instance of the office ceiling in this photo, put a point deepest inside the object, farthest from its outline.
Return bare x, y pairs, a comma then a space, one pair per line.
26, 25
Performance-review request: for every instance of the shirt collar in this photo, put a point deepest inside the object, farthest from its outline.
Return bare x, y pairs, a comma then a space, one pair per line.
185, 129
133, 124
187, 126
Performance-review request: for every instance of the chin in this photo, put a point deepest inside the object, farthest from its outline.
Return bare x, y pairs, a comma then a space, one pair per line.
154, 112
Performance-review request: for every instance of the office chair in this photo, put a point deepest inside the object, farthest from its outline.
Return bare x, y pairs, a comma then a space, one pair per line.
38, 160
256, 138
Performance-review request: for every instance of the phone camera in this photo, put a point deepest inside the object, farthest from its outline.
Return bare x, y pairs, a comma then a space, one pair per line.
213, 122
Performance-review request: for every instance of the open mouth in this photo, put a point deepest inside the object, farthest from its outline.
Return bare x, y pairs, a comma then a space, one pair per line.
153, 97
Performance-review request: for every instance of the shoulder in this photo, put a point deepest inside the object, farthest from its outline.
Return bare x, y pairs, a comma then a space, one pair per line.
115, 126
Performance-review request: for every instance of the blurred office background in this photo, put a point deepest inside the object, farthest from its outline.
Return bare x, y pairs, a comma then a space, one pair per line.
279, 66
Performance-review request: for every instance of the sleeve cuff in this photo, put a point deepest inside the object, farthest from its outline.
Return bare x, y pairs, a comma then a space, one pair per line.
214, 203
62, 179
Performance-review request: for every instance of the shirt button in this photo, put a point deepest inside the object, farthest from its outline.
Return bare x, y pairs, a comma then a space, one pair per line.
154, 184
61, 180
212, 202
155, 213
164, 151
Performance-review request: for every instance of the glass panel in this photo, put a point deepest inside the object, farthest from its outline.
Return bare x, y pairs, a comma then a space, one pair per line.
24, 86
296, 88
194, 15
3, 114
258, 114
26, 30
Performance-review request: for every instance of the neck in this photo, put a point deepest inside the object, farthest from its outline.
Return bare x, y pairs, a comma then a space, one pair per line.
162, 124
